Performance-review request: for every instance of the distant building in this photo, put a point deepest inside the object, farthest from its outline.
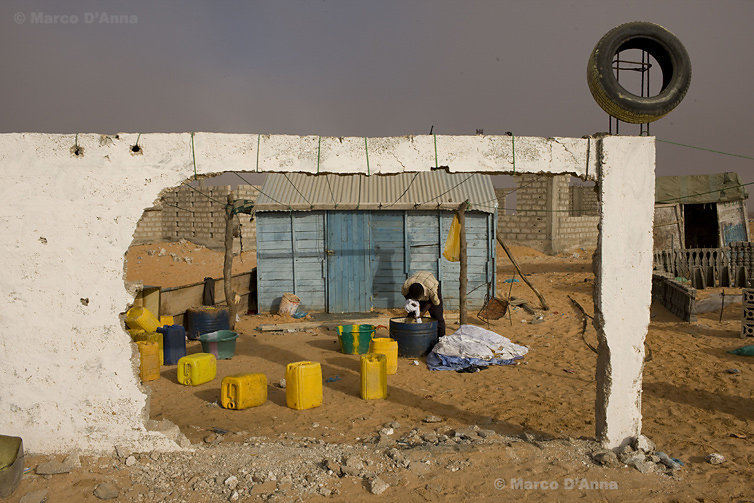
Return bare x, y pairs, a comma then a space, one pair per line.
346, 243
552, 214
700, 211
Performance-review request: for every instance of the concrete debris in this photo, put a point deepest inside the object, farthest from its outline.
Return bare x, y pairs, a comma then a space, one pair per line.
643, 444
53, 467
387, 431
667, 461
606, 458
34, 497
162, 253
432, 419
130, 461
188, 260
281, 384
642, 464
377, 485
231, 482
715, 458
234, 496
106, 491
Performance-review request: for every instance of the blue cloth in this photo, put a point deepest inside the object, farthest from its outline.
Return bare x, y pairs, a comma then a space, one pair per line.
442, 362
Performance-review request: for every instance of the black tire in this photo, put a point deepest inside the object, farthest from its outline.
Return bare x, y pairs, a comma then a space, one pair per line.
661, 45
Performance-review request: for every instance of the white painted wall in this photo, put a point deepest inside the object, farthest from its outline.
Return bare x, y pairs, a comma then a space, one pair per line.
68, 374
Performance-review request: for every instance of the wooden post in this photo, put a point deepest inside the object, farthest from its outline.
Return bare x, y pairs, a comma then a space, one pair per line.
463, 279
228, 264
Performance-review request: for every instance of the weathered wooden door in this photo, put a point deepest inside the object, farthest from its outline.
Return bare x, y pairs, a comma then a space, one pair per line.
349, 251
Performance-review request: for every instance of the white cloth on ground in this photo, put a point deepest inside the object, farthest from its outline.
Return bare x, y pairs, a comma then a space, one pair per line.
470, 341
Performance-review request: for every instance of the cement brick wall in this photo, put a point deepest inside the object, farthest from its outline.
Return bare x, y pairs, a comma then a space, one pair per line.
528, 226
184, 213
149, 228
677, 298
544, 218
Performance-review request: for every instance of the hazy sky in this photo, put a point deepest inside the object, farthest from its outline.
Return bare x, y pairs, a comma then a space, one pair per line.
365, 68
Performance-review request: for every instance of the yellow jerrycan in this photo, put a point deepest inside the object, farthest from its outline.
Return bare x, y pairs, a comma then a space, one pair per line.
373, 376
197, 369
388, 347
303, 385
242, 391
155, 337
149, 366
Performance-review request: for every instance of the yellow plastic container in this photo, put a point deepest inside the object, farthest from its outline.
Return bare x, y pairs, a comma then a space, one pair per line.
149, 366
140, 317
136, 331
373, 376
242, 391
303, 385
166, 321
388, 347
152, 337
197, 369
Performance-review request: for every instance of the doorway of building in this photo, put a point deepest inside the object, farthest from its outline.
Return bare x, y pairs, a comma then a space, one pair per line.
700, 225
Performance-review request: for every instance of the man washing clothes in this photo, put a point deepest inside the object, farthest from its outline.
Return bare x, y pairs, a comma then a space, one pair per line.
424, 288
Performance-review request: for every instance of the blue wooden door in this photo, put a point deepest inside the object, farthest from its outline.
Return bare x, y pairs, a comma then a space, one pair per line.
349, 252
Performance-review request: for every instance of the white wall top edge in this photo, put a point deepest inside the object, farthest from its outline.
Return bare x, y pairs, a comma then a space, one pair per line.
219, 152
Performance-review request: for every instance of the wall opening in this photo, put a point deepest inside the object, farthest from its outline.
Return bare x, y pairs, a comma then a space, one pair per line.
701, 225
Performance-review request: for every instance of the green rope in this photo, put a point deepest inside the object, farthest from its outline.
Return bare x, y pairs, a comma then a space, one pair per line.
513, 144
435, 150
193, 154
366, 149
721, 189
706, 149
137, 140
319, 146
259, 137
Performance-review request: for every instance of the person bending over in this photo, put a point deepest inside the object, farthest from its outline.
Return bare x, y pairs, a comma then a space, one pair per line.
424, 288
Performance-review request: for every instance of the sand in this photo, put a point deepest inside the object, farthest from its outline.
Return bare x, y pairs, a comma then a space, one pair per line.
691, 406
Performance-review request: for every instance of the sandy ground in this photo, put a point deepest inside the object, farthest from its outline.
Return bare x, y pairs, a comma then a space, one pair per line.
691, 405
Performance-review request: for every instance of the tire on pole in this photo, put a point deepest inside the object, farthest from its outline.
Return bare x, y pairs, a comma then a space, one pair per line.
664, 47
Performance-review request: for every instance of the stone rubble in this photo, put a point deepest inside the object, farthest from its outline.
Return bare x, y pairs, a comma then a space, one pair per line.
288, 468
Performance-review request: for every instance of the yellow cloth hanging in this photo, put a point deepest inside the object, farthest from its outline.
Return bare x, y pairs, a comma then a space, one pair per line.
453, 243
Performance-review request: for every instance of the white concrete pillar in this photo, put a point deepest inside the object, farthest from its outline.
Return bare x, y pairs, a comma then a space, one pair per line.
623, 283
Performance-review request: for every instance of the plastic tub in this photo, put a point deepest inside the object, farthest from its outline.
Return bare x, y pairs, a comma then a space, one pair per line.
205, 319
355, 339
11, 464
222, 343
414, 339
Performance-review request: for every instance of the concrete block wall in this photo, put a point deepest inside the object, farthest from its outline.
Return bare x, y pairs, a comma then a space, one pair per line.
584, 201
544, 217
528, 226
185, 213
677, 298
149, 228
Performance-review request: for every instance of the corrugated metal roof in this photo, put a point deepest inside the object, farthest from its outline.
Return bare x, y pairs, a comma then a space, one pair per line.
696, 189
415, 191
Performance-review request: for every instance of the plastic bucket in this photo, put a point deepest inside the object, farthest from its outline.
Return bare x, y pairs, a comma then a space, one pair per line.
289, 304
11, 464
354, 339
414, 339
206, 319
222, 343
